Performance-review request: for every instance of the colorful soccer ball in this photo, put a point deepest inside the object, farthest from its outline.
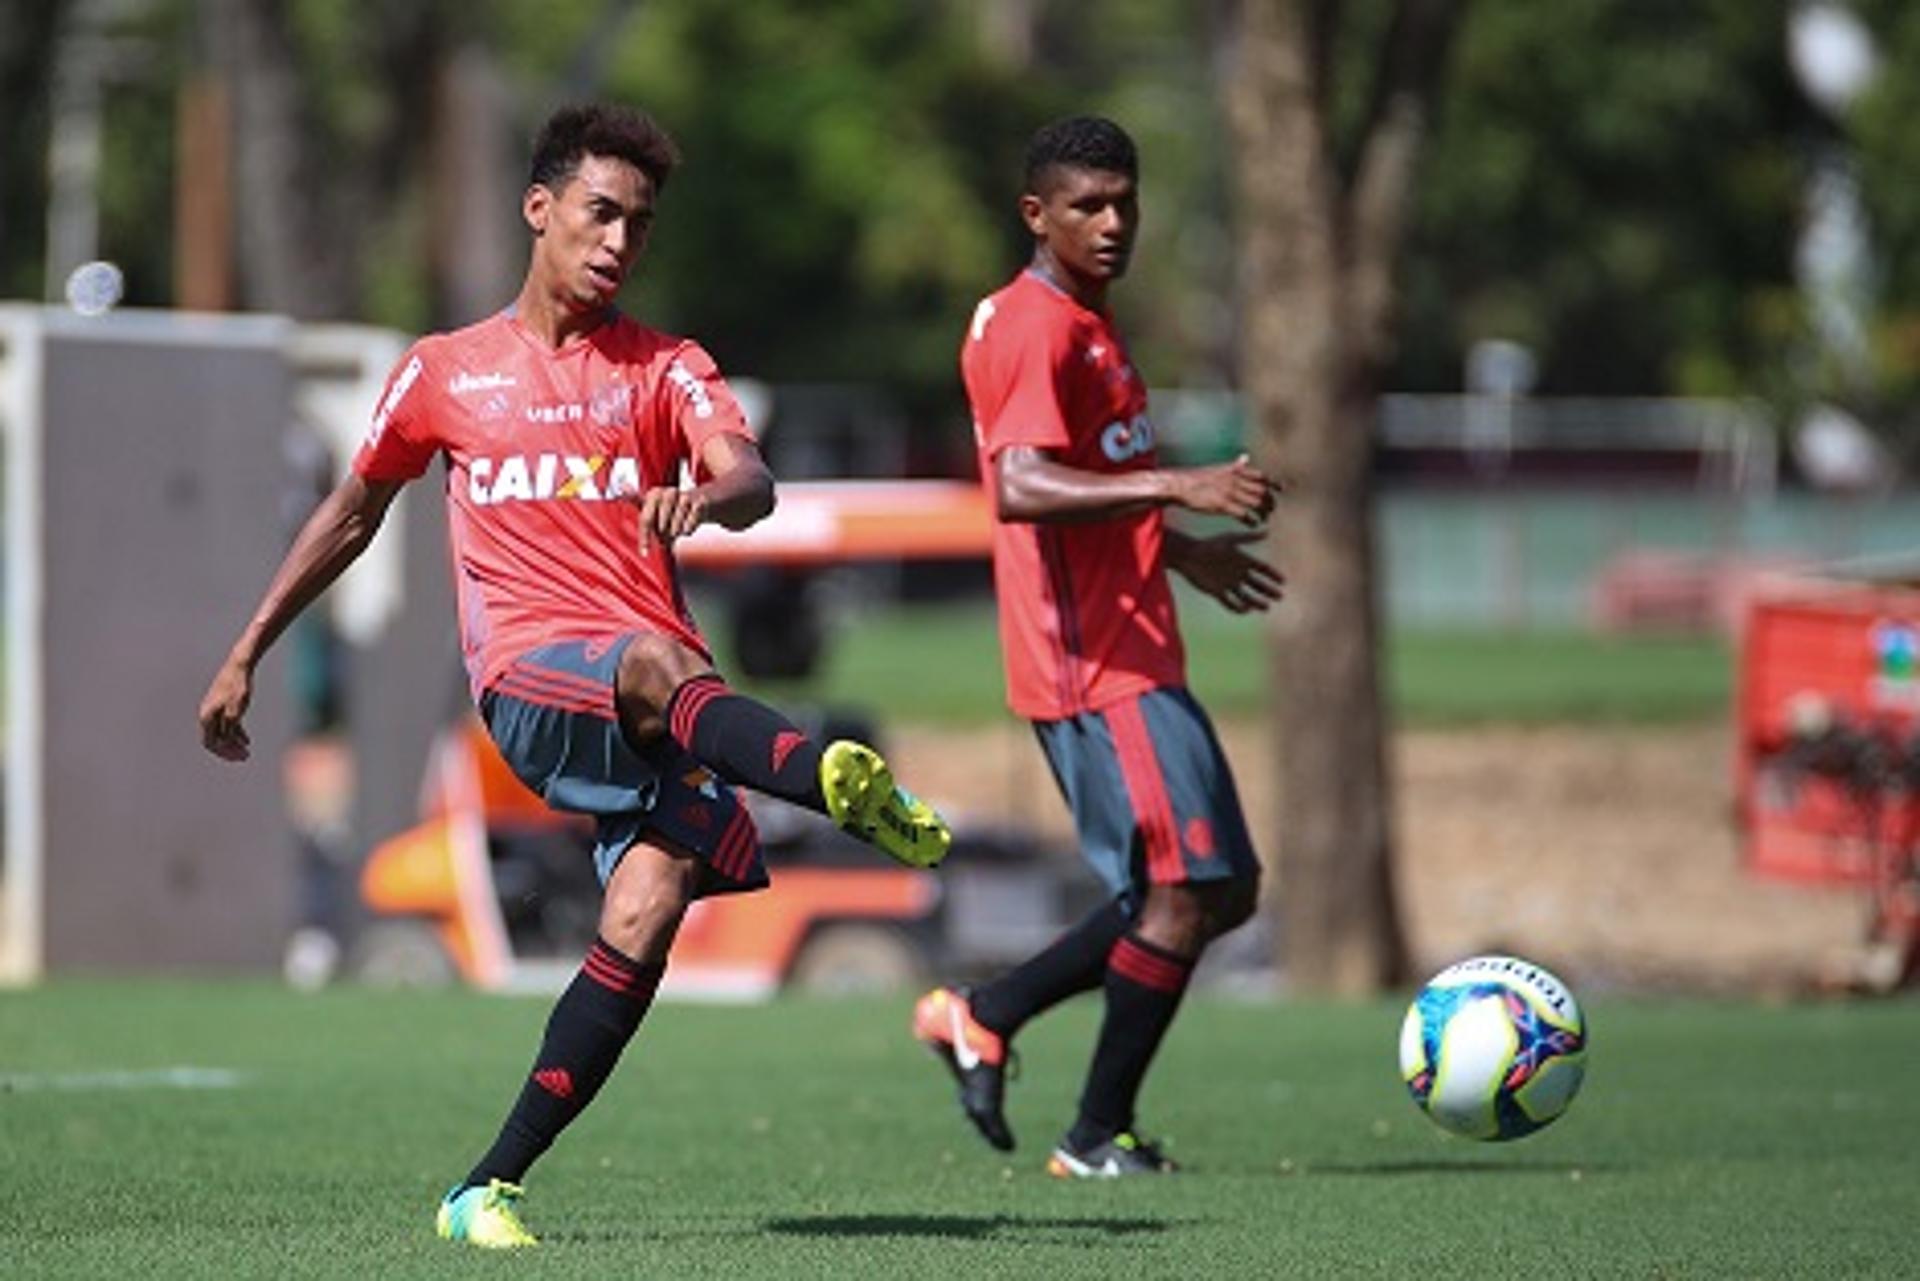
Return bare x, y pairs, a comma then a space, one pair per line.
1493, 1048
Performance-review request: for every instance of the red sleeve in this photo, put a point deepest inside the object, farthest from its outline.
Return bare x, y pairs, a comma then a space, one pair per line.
700, 404
399, 444
1015, 366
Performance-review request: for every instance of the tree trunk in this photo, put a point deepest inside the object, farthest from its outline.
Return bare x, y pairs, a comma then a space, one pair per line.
1316, 252
203, 195
476, 243
1340, 928
288, 247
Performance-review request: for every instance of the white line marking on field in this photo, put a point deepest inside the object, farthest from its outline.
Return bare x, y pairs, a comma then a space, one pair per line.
166, 1078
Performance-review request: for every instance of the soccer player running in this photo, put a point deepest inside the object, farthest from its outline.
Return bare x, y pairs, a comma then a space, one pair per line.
1093, 652
566, 427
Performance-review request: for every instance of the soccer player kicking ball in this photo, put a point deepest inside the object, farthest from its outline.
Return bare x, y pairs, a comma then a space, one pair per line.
1093, 652
565, 426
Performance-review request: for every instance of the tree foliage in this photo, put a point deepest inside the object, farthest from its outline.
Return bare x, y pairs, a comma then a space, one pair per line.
1886, 150
831, 220
1617, 185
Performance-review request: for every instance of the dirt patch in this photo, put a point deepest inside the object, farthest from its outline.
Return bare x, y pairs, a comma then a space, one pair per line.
1607, 853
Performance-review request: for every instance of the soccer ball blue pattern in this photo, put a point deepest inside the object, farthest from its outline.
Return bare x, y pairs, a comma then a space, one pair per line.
1493, 1047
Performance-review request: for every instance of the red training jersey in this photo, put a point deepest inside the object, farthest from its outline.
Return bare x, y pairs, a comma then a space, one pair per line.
1086, 616
546, 451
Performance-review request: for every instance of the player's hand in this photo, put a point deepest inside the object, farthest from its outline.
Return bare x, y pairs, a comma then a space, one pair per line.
670, 513
1221, 567
1237, 489
222, 710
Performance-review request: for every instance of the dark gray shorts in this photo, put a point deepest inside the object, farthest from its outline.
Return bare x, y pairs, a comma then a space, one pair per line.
1152, 798
552, 716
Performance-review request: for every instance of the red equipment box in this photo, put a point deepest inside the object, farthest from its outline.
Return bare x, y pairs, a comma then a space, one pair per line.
1827, 762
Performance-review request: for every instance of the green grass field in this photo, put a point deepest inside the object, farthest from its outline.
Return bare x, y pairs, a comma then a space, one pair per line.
942, 664
814, 1140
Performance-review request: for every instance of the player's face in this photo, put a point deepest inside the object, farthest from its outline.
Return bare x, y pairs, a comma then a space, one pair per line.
1086, 220
591, 232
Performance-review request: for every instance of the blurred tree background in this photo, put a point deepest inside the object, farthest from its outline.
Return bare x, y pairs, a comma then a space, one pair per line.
1881, 131
847, 194
1631, 217
851, 169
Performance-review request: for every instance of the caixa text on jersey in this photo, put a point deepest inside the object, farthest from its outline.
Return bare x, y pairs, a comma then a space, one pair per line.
547, 477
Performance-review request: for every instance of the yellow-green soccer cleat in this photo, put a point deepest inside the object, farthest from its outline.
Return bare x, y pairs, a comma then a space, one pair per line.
484, 1217
863, 798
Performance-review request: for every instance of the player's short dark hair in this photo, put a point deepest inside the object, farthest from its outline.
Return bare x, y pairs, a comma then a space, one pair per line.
600, 129
1079, 142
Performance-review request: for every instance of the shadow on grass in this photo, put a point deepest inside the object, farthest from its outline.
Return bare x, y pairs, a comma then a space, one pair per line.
1550, 1169
958, 1227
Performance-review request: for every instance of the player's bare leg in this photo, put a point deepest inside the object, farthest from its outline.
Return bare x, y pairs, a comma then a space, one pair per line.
646, 899
591, 1024
666, 689
1146, 976
1183, 919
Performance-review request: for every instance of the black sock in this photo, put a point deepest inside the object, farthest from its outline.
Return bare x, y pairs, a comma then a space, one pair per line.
591, 1023
1073, 963
746, 741
1144, 986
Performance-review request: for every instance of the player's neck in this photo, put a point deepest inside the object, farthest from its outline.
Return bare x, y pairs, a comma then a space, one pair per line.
552, 319
1091, 294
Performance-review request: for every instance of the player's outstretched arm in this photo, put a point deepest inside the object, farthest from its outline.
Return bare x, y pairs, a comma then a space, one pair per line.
333, 537
1030, 486
1221, 567
1033, 487
737, 493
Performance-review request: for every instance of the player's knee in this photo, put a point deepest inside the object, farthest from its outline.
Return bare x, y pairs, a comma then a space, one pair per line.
651, 668
1233, 905
1174, 917
644, 904
642, 924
